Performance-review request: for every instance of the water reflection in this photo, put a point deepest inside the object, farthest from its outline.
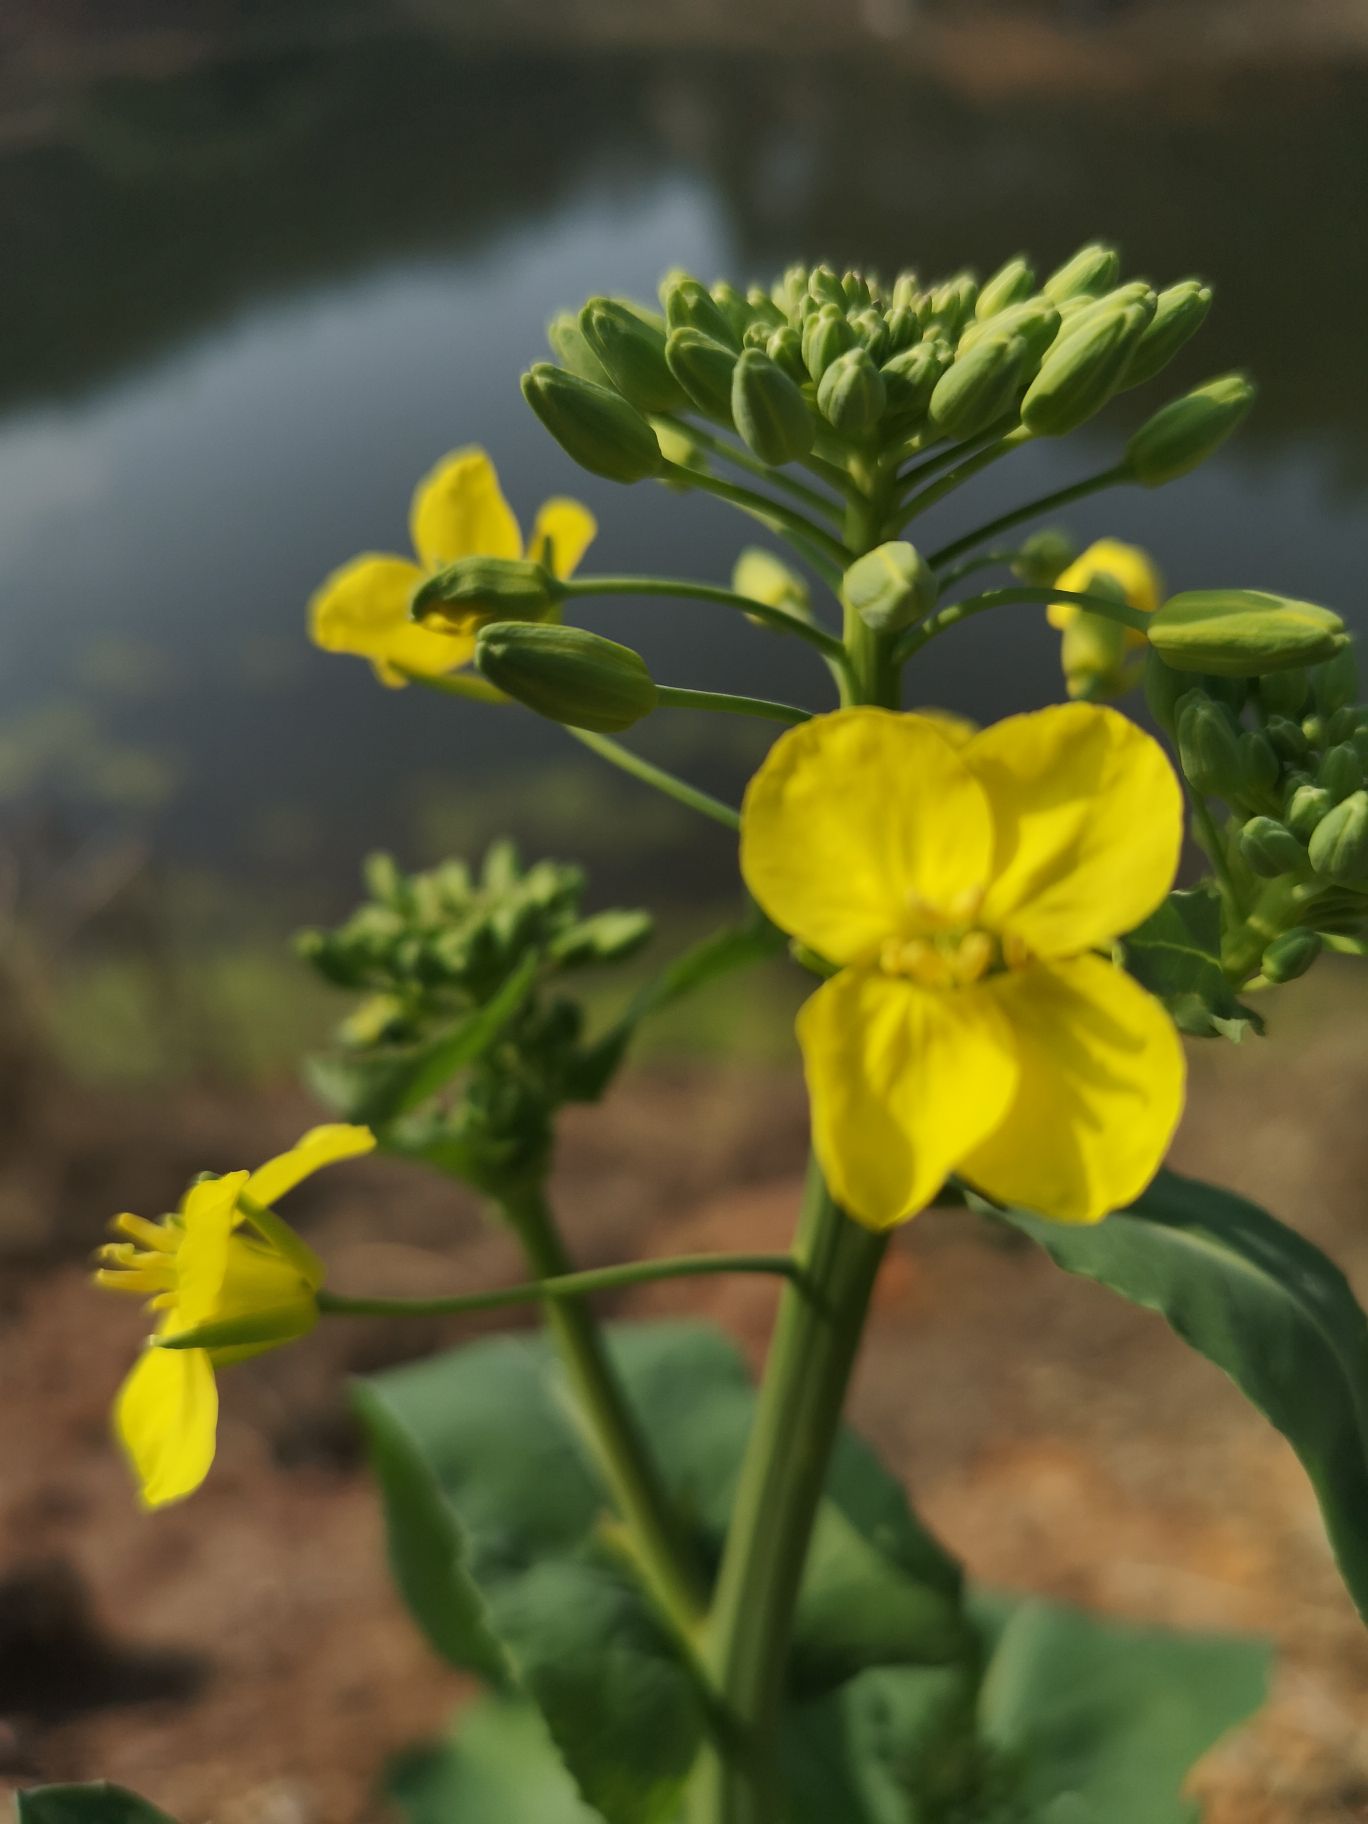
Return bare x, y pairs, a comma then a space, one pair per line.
246, 307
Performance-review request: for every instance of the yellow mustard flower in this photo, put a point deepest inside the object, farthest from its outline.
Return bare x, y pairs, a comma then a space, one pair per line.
967, 894
1099, 656
223, 1258
458, 511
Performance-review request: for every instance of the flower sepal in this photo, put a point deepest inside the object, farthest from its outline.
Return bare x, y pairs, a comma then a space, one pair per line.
232, 1339
473, 591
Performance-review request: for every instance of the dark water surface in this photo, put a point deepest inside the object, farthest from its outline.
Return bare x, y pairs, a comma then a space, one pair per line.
242, 309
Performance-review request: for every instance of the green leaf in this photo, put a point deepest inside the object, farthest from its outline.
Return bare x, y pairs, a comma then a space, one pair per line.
499, 1764
528, 1520
1266, 1306
376, 1087
97, 1803
1102, 1721
1176, 954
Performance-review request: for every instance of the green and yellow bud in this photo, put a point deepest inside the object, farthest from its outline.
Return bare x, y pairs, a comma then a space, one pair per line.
890, 587
567, 674
703, 366
910, 379
1340, 771
1098, 661
1285, 735
1012, 282
1036, 321
592, 424
733, 307
1091, 271
689, 305
1270, 848
1179, 313
785, 349
1306, 809
851, 395
1291, 955
475, 590
1081, 372
980, 387
1262, 767
1209, 749
1181, 435
762, 577
1239, 633
1044, 558
1165, 691
826, 335
1335, 683
1339, 842
569, 347
769, 411
632, 354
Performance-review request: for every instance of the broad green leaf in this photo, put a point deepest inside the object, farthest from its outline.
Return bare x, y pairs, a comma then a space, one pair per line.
1176, 954
376, 1087
1266, 1306
501, 1443
97, 1803
1100, 1722
499, 1764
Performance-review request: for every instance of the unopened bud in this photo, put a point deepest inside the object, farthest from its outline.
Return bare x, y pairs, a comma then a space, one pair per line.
733, 307
567, 674
1182, 434
1291, 955
1045, 557
1238, 633
980, 387
851, 395
1178, 314
1307, 806
1339, 843
1009, 285
1340, 771
785, 349
904, 328
595, 427
1285, 736
1164, 692
474, 590
825, 336
1081, 373
632, 352
704, 367
1260, 763
1208, 749
1270, 848
689, 305
762, 577
1283, 693
1335, 684
572, 351
1097, 659
1036, 322
909, 380
890, 587
1092, 270
769, 411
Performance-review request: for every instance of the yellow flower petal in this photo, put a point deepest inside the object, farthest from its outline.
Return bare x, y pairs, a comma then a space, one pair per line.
855, 816
1088, 818
459, 511
321, 1146
904, 1082
208, 1217
166, 1418
562, 534
1125, 564
1099, 1092
363, 608
958, 730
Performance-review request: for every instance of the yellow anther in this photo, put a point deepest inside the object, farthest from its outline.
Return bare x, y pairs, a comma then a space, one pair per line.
973, 957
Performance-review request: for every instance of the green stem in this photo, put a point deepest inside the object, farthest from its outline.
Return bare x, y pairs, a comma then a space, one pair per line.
911, 506
1047, 503
981, 560
816, 1339
956, 453
672, 697
678, 789
760, 506
687, 590
1209, 835
730, 452
955, 612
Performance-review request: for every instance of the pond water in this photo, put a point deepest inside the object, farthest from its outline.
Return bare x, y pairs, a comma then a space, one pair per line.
244, 307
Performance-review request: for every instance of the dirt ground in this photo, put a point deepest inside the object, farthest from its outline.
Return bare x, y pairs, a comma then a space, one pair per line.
241, 1658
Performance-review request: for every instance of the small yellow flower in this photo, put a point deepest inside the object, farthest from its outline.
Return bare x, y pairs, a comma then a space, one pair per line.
201, 1266
967, 893
1098, 655
458, 511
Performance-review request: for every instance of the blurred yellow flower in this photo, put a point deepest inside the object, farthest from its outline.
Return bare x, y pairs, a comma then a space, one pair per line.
1100, 657
458, 511
965, 891
201, 1266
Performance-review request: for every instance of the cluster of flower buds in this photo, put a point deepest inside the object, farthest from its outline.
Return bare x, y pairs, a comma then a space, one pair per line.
1287, 754
823, 365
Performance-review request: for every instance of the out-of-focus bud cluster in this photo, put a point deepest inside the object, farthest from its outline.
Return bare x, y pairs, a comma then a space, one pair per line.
847, 364
462, 1050
1287, 754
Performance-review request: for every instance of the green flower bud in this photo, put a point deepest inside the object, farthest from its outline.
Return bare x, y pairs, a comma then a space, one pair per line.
951, 305
1165, 690
785, 349
907, 292
1238, 633
855, 288
1209, 749
1092, 270
1335, 684
1260, 762
733, 307
757, 335
1036, 321
1339, 842
1285, 735
1178, 314
1081, 372
825, 335
763, 577
890, 587
872, 332
769, 411
1044, 558
763, 308
903, 329
475, 590
980, 387
1340, 771
1343, 725
1283, 693
689, 305
1314, 730
1307, 806
1270, 848
825, 287
600, 431
1291, 955
1009, 285
851, 395
1361, 743
572, 351
1097, 659
704, 368
633, 355
909, 379
1182, 434
567, 674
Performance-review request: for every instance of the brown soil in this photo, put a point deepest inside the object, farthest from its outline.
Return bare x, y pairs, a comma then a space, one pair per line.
241, 1657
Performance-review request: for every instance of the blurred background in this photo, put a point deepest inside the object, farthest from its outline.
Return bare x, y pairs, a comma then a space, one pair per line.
264, 262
